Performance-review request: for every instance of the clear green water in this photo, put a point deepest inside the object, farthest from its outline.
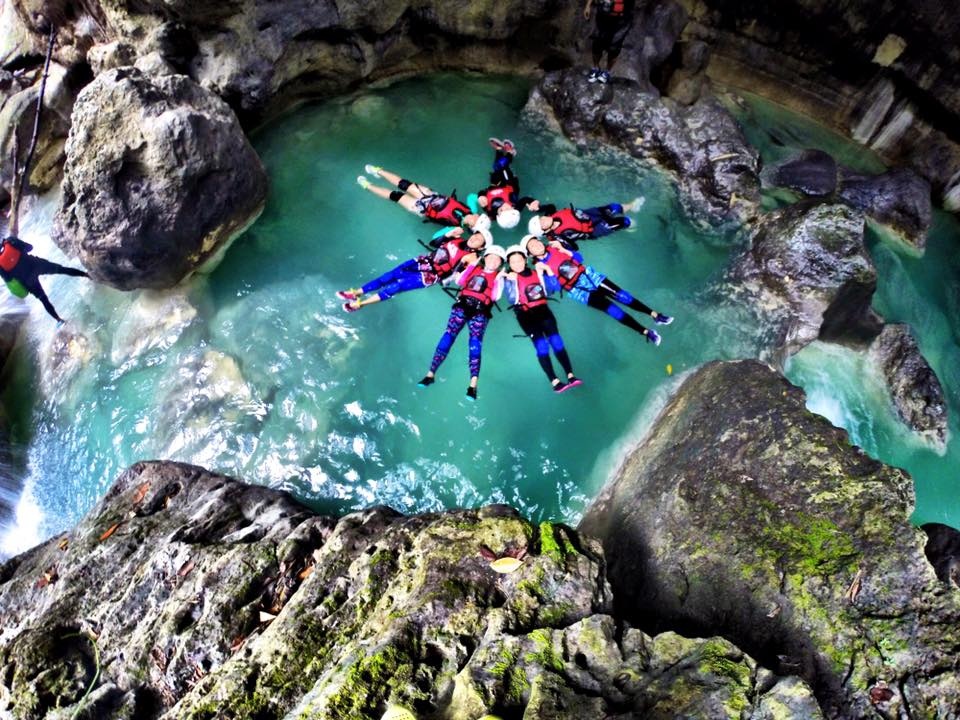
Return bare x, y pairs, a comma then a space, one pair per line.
255, 371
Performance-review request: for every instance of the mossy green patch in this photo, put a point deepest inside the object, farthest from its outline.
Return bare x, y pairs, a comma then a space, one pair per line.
545, 654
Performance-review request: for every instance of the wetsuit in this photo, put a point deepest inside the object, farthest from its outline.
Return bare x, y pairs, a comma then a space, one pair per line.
504, 186
575, 224
422, 271
528, 295
16, 263
614, 18
585, 284
480, 289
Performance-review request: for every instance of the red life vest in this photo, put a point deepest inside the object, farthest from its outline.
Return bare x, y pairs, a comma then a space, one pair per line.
530, 291
567, 270
613, 7
569, 221
479, 284
447, 213
447, 257
498, 193
9, 256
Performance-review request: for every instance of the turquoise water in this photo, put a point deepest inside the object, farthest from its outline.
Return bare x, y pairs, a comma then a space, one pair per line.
923, 292
256, 372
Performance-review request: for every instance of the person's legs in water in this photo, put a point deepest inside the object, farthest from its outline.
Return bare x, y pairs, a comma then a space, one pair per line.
403, 278
615, 292
602, 302
406, 193
478, 326
455, 323
552, 332
531, 323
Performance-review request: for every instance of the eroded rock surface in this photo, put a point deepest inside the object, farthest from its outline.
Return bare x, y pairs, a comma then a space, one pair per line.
159, 177
806, 275
701, 145
201, 597
914, 386
743, 512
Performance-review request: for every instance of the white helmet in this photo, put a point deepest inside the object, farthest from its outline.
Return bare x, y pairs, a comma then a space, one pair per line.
526, 241
496, 250
516, 249
508, 217
487, 236
533, 227
481, 223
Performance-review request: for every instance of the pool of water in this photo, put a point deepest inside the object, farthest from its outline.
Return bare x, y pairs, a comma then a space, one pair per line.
256, 372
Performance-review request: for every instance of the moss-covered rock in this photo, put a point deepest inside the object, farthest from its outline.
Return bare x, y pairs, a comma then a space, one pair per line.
742, 513
188, 595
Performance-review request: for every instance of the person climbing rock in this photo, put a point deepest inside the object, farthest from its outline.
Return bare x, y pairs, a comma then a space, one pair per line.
422, 201
501, 200
571, 225
481, 286
450, 252
564, 270
527, 293
19, 267
613, 22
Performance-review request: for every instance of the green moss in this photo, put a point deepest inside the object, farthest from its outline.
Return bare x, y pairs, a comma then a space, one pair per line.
812, 545
555, 543
507, 660
715, 659
555, 615
368, 680
544, 655
517, 685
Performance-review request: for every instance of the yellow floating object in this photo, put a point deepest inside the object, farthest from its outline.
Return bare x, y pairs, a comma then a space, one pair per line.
395, 712
491, 717
669, 369
506, 565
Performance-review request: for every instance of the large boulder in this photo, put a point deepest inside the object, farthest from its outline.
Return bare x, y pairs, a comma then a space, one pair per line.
806, 275
898, 199
701, 145
159, 177
185, 594
743, 512
914, 386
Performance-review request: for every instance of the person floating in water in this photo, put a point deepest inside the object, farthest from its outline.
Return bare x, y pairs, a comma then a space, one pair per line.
481, 286
565, 270
501, 200
571, 225
614, 18
422, 201
450, 252
528, 295
18, 266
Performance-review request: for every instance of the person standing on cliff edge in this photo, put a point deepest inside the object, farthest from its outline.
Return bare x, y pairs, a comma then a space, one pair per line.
614, 18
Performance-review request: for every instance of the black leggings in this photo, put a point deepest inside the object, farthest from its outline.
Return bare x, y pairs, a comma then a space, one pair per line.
540, 325
605, 297
28, 270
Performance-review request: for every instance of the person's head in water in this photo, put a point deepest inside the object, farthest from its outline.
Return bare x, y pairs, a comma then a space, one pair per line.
534, 246
493, 258
539, 224
477, 222
479, 239
508, 217
516, 259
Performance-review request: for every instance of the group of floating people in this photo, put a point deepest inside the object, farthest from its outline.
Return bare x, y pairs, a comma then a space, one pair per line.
547, 260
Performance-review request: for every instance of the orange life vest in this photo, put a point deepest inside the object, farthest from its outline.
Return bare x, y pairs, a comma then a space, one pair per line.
479, 284
530, 291
564, 267
569, 221
9, 256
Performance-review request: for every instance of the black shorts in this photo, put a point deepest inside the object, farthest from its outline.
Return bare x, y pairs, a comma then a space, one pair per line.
611, 32
537, 322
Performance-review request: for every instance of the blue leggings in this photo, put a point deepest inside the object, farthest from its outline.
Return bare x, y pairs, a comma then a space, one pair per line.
607, 219
478, 326
401, 279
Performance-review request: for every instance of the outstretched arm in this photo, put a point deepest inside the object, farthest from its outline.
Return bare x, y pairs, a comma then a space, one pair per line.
586, 9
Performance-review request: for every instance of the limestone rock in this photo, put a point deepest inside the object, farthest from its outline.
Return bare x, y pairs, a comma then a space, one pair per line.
898, 198
159, 177
745, 513
813, 173
204, 597
914, 386
701, 145
807, 274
